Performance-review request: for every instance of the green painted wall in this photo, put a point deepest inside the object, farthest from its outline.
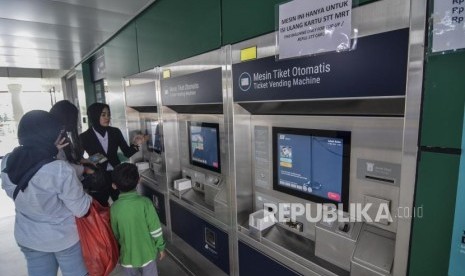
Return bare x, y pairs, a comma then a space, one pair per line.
121, 57
436, 187
245, 19
121, 60
436, 190
88, 84
172, 30
443, 100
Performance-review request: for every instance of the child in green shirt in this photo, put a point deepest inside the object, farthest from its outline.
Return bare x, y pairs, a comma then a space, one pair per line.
135, 224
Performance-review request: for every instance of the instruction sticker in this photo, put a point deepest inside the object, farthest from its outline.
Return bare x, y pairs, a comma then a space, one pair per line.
310, 27
449, 25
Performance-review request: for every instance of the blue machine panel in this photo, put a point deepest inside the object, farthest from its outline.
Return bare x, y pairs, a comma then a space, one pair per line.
252, 263
376, 68
158, 200
457, 251
208, 240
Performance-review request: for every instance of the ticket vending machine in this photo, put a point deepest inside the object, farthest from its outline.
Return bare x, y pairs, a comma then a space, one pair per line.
321, 134
143, 118
197, 162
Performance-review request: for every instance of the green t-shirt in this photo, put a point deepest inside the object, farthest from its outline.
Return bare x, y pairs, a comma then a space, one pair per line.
137, 228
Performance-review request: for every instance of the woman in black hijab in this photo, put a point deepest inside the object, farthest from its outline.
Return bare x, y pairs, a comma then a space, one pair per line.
47, 196
37, 134
67, 114
103, 139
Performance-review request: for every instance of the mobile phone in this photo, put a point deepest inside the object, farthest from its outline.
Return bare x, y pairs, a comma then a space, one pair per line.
97, 158
64, 136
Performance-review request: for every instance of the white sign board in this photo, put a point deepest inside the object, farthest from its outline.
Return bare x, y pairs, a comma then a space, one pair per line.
449, 25
314, 26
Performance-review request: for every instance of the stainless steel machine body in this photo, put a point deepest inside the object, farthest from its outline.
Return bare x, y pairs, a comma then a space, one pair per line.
382, 163
206, 203
143, 118
384, 140
210, 192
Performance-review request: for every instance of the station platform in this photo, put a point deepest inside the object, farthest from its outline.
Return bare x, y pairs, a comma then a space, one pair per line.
13, 263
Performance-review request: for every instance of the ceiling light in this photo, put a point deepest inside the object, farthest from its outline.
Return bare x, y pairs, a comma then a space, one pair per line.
23, 34
22, 43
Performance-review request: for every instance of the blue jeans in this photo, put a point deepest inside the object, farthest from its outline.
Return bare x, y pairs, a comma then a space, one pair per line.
69, 260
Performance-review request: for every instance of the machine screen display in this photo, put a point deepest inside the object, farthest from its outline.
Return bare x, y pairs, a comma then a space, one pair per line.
154, 142
204, 145
312, 164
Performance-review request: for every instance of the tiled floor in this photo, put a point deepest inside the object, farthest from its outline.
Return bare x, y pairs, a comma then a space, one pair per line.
12, 262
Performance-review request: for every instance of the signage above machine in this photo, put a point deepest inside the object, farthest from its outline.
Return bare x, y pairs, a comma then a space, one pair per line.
197, 88
98, 68
376, 68
310, 27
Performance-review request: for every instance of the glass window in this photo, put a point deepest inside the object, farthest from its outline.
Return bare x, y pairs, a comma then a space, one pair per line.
35, 94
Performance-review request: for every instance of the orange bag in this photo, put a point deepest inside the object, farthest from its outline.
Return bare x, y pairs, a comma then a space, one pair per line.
99, 246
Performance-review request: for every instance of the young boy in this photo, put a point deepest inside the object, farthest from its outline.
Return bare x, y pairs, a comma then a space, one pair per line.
135, 224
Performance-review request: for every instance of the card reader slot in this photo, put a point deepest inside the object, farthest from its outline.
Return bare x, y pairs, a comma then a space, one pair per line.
210, 237
379, 179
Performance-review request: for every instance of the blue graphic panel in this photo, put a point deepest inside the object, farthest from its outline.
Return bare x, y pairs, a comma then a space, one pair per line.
152, 130
207, 239
311, 164
252, 263
457, 252
203, 145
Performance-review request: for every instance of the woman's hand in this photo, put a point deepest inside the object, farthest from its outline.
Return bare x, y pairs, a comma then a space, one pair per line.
86, 161
88, 170
139, 139
89, 167
61, 142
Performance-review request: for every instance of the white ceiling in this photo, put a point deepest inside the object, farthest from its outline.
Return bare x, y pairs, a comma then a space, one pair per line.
57, 34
